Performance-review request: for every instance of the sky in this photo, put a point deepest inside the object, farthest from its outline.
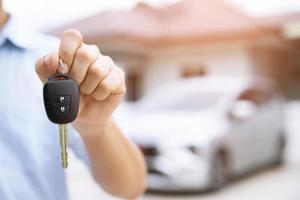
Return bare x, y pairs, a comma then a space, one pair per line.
47, 14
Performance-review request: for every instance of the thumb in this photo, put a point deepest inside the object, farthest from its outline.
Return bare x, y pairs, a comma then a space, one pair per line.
47, 65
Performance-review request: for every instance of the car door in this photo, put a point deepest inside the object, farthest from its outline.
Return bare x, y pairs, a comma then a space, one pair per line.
245, 116
268, 127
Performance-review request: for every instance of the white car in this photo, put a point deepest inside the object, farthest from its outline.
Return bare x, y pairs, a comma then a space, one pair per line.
198, 133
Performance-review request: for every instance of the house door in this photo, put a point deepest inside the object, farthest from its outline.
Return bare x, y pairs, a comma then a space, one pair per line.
133, 84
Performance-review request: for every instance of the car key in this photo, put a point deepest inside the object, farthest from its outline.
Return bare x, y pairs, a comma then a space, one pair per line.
61, 100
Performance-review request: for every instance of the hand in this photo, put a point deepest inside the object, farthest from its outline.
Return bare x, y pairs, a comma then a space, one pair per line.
101, 82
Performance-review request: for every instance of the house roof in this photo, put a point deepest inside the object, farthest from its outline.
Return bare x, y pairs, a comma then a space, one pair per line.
186, 21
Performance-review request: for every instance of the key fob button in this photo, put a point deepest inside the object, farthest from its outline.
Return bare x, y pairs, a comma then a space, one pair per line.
62, 109
63, 99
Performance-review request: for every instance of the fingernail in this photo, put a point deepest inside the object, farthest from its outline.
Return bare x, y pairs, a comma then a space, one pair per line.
47, 60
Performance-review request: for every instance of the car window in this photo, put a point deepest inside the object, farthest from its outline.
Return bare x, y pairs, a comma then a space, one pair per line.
189, 101
192, 94
258, 97
194, 101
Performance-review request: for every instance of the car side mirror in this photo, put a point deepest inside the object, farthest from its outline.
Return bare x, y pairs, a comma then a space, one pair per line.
242, 110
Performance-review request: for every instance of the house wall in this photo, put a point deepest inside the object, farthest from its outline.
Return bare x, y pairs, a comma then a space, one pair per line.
152, 66
162, 69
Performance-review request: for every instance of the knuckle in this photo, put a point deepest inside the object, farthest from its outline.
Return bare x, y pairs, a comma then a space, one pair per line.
121, 73
96, 96
96, 71
94, 52
105, 86
99, 69
100, 95
119, 81
82, 53
94, 48
87, 53
122, 89
107, 60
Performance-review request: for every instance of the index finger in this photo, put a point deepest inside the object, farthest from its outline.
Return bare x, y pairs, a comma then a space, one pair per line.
70, 41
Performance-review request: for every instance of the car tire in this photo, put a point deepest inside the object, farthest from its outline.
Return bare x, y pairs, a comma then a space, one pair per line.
281, 144
219, 171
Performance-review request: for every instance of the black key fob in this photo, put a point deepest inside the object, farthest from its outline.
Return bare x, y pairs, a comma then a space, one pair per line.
61, 98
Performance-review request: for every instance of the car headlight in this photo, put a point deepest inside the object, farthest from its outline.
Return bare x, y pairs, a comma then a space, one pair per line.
195, 149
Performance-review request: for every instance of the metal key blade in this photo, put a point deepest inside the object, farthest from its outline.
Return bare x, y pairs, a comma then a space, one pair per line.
63, 136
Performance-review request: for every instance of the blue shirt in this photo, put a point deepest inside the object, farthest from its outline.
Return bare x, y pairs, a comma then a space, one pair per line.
30, 164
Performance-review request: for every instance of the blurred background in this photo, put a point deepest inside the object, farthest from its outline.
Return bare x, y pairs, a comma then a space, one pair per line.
213, 90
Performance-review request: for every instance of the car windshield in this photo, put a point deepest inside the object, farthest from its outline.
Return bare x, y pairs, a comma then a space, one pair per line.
182, 101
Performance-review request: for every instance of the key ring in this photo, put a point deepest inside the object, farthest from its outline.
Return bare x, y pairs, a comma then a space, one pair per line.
63, 66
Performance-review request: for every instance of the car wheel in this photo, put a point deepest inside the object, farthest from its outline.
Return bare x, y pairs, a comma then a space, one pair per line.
219, 170
280, 150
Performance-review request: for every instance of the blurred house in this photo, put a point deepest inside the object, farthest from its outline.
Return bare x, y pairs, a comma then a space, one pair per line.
195, 38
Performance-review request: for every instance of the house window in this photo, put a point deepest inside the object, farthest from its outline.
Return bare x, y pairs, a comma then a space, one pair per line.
188, 72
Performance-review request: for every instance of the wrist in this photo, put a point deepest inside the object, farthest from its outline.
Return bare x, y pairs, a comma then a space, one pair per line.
89, 130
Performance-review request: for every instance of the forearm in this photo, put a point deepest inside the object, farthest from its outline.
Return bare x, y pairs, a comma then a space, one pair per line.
117, 164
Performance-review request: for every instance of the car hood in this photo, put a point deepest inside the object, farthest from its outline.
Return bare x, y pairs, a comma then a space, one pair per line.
176, 128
